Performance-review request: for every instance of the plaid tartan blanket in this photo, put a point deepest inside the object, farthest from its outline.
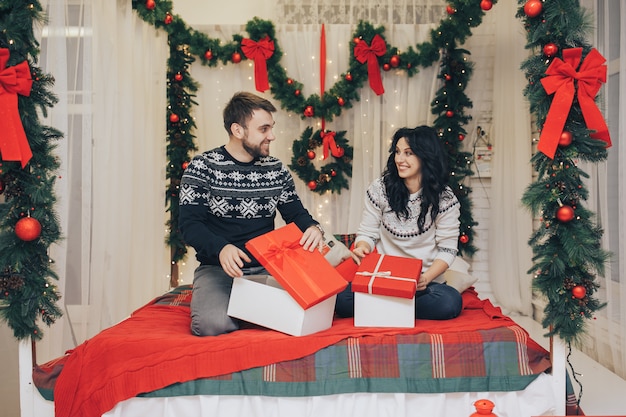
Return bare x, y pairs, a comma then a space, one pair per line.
154, 354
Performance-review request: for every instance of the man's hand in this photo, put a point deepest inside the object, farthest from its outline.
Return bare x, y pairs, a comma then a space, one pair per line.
312, 238
232, 260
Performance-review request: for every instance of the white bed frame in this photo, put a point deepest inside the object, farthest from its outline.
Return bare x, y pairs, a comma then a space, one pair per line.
544, 396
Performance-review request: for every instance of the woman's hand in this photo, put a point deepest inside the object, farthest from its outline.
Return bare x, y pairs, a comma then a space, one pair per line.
360, 251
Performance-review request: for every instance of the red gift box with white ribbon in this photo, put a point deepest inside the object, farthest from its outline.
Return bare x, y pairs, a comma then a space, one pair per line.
387, 275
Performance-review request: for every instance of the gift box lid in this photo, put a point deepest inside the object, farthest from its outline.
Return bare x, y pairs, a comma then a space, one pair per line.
307, 276
387, 275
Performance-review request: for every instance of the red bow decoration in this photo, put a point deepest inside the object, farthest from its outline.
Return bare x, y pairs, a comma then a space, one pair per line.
328, 143
561, 77
13, 81
260, 52
363, 52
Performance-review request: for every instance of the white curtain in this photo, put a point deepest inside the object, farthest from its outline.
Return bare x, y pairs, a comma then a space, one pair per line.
510, 223
110, 69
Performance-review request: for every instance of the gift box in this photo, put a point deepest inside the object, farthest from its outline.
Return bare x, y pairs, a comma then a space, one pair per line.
261, 300
384, 291
387, 275
306, 276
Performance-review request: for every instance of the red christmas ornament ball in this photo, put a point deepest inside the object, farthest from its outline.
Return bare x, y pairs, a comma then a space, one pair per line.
185, 164
308, 111
464, 239
236, 57
447, 77
550, 49
386, 67
341, 101
450, 9
579, 291
310, 155
174, 118
533, 8
208, 55
486, 5
312, 185
178, 76
150, 4
348, 77
28, 228
333, 173
565, 214
449, 113
296, 93
565, 139
461, 137
394, 61
168, 19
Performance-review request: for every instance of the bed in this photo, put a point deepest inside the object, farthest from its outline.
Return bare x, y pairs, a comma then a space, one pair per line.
150, 364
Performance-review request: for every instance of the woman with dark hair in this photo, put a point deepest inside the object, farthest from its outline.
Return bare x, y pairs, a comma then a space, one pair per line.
411, 212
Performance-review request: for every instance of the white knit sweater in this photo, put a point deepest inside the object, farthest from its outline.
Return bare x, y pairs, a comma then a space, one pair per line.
381, 228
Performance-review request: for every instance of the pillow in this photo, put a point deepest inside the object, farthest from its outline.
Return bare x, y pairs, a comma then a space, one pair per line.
333, 250
457, 277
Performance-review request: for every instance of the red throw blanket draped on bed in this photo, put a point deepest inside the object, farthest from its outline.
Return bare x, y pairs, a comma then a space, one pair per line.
154, 348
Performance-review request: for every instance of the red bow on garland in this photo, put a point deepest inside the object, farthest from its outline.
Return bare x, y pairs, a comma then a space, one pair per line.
561, 77
13, 81
363, 52
260, 52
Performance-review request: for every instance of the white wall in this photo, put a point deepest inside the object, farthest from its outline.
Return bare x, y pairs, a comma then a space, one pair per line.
232, 12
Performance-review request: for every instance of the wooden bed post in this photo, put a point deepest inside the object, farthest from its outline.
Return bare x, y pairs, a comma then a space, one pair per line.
173, 271
557, 357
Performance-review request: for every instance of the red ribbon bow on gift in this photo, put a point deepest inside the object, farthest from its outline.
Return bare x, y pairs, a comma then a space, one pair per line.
13, 81
328, 143
260, 52
363, 52
561, 77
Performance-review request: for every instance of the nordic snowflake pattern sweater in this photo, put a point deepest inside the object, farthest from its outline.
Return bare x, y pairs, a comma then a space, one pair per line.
224, 201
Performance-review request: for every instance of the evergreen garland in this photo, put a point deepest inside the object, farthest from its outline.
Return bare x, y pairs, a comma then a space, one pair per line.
449, 104
27, 289
567, 248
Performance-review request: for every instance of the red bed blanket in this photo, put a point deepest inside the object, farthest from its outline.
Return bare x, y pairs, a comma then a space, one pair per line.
154, 348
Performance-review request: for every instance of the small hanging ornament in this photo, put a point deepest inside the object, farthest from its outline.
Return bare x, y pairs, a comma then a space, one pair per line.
461, 137
579, 292
150, 4
185, 165
308, 111
447, 77
310, 155
464, 239
28, 228
533, 8
168, 18
312, 185
174, 118
178, 76
486, 5
208, 55
394, 61
550, 49
236, 57
296, 93
565, 139
449, 113
386, 67
333, 173
348, 77
450, 9
565, 213
341, 101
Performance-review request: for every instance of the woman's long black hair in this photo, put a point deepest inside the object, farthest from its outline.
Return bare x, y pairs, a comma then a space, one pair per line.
427, 146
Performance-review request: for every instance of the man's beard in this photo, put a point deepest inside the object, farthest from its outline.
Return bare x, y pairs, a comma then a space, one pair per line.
254, 151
